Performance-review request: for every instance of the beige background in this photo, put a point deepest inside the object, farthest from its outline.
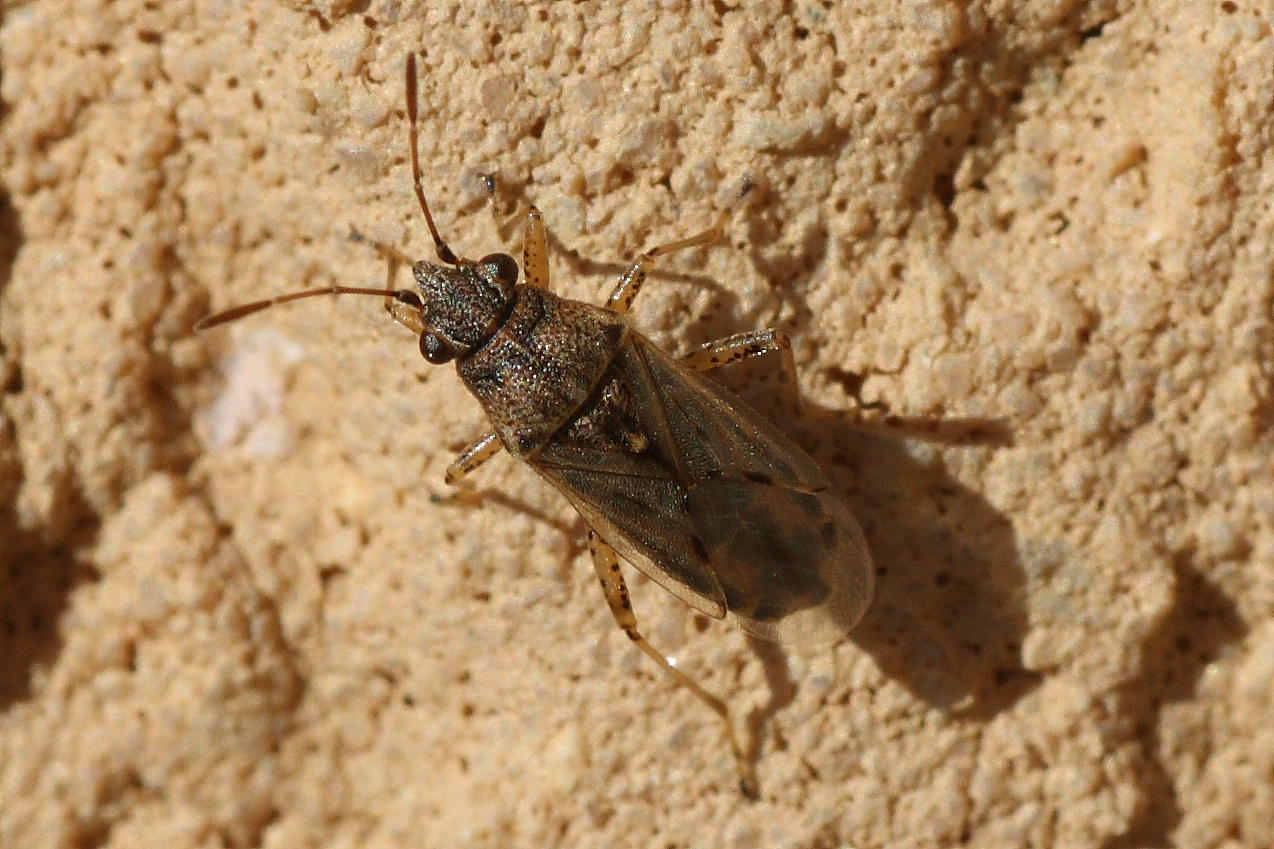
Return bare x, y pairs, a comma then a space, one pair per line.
230, 614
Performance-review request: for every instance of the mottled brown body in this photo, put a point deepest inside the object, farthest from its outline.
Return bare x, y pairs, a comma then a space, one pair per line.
671, 471
679, 475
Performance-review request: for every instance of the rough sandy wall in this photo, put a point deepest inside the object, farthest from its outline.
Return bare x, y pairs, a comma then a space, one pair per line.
230, 613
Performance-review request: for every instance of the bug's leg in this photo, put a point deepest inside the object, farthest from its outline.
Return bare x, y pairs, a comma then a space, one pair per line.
403, 306
474, 454
391, 254
506, 213
535, 247
402, 310
744, 346
630, 281
535, 240
535, 250
606, 563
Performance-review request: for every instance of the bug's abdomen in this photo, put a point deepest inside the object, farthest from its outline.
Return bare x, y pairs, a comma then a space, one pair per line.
541, 366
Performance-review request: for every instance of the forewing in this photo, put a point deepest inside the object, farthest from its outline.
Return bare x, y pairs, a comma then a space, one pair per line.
705, 431
786, 549
633, 502
722, 509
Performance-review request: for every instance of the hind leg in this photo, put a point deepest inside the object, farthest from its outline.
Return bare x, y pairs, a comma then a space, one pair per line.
606, 564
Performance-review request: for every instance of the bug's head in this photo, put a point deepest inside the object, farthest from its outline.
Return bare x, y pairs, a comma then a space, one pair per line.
463, 305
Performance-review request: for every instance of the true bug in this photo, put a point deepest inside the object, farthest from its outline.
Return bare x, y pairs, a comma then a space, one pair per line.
671, 471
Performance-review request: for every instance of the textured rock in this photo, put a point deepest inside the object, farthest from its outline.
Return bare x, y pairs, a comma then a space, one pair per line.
232, 615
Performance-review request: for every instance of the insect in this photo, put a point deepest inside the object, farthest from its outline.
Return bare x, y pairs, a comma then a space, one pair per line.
670, 471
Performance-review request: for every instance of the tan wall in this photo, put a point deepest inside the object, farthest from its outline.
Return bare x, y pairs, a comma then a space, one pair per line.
230, 613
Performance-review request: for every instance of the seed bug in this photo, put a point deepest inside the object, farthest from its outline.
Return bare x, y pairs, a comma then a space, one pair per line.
671, 471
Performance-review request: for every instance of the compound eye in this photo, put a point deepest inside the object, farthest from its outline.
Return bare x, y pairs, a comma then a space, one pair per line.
505, 269
435, 349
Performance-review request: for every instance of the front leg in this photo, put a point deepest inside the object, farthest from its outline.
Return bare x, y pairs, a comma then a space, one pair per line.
404, 305
535, 251
606, 564
404, 308
630, 282
474, 454
535, 240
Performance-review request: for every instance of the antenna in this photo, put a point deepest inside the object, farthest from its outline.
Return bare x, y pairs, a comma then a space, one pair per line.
402, 295
444, 252
256, 306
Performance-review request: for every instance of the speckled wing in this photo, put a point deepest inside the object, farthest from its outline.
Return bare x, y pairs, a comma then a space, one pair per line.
637, 507
721, 509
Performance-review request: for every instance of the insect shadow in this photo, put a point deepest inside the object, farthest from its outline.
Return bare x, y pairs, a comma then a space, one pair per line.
671, 473
948, 618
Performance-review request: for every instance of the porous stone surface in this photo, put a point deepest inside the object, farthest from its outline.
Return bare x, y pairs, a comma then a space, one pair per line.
232, 612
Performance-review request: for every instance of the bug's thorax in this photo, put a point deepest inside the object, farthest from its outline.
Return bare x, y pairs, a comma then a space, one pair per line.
541, 365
